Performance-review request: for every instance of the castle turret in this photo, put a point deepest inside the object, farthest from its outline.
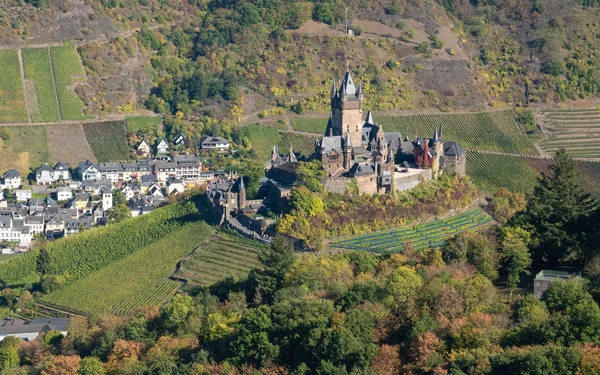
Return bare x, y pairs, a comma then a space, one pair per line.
347, 152
275, 154
437, 150
292, 157
241, 194
390, 155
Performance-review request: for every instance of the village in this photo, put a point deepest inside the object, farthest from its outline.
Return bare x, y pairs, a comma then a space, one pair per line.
63, 200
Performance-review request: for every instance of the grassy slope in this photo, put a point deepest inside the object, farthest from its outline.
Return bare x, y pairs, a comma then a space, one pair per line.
12, 98
66, 67
140, 122
27, 148
138, 276
37, 68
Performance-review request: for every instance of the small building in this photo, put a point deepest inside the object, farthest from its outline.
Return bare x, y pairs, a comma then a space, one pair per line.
29, 331
162, 147
175, 186
23, 195
544, 278
179, 140
12, 179
143, 148
63, 193
88, 171
62, 171
214, 143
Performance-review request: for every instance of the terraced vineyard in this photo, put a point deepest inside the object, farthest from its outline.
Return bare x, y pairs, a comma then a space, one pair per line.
142, 277
576, 130
263, 139
108, 140
310, 125
224, 255
432, 234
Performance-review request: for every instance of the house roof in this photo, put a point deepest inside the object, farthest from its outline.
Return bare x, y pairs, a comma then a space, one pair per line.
43, 168
61, 166
362, 169
17, 326
452, 148
331, 143
11, 173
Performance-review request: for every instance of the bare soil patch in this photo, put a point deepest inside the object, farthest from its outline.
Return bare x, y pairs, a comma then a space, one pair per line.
68, 143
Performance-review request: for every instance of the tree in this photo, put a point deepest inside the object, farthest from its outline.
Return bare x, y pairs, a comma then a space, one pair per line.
62, 365
176, 312
505, 205
277, 261
119, 213
323, 13
402, 285
310, 175
515, 253
554, 214
252, 344
91, 366
9, 356
474, 248
306, 202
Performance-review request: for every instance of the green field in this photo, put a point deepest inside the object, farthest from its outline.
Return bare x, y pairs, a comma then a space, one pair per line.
310, 125
139, 279
68, 71
26, 148
224, 255
136, 123
108, 140
12, 96
39, 84
432, 234
263, 138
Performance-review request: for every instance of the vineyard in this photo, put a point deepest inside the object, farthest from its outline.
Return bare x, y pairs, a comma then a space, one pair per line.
519, 173
108, 140
429, 235
263, 139
80, 256
224, 255
67, 73
576, 130
487, 131
142, 277
12, 97
39, 84
310, 125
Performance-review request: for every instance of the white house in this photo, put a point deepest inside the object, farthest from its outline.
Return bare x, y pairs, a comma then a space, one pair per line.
179, 140
143, 148
62, 171
107, 200
64, 193
175, 186
12, 229
162, 147
34, 223
23, 195
29, 331
44, 175
88, 171
214, 143
12, 179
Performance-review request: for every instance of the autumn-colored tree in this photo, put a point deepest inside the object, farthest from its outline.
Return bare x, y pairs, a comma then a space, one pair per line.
63, 365
387, 360
123, 350
425, 345
505, 205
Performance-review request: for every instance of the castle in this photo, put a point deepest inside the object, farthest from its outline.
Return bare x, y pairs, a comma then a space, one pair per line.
353, 148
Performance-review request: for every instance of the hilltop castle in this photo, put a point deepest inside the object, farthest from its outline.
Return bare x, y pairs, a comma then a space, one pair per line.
357, 148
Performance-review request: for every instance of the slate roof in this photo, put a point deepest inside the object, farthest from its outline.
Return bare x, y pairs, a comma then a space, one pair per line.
452, 148
11, 173
362, 169
329, 144
61, 166
43, 168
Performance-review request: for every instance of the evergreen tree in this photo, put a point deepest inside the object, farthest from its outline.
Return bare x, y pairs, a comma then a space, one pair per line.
554, 212
276, 261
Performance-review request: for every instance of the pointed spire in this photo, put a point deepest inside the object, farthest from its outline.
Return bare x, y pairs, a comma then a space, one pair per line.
359, 92
333, 89
370, 118
390, 155
242, 183
348, 87
292, 157
436, 136
347, 142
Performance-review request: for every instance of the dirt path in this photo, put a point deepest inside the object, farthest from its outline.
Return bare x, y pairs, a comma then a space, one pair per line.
20, 55
55, 85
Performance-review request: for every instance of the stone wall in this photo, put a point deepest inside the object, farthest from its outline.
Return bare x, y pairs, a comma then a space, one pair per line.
336, 184
407, 182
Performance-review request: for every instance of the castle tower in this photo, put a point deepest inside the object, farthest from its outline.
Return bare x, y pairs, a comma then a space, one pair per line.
347, 151
292, 157
346, 109
241, 194
275, 154
437, 150
390, 155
